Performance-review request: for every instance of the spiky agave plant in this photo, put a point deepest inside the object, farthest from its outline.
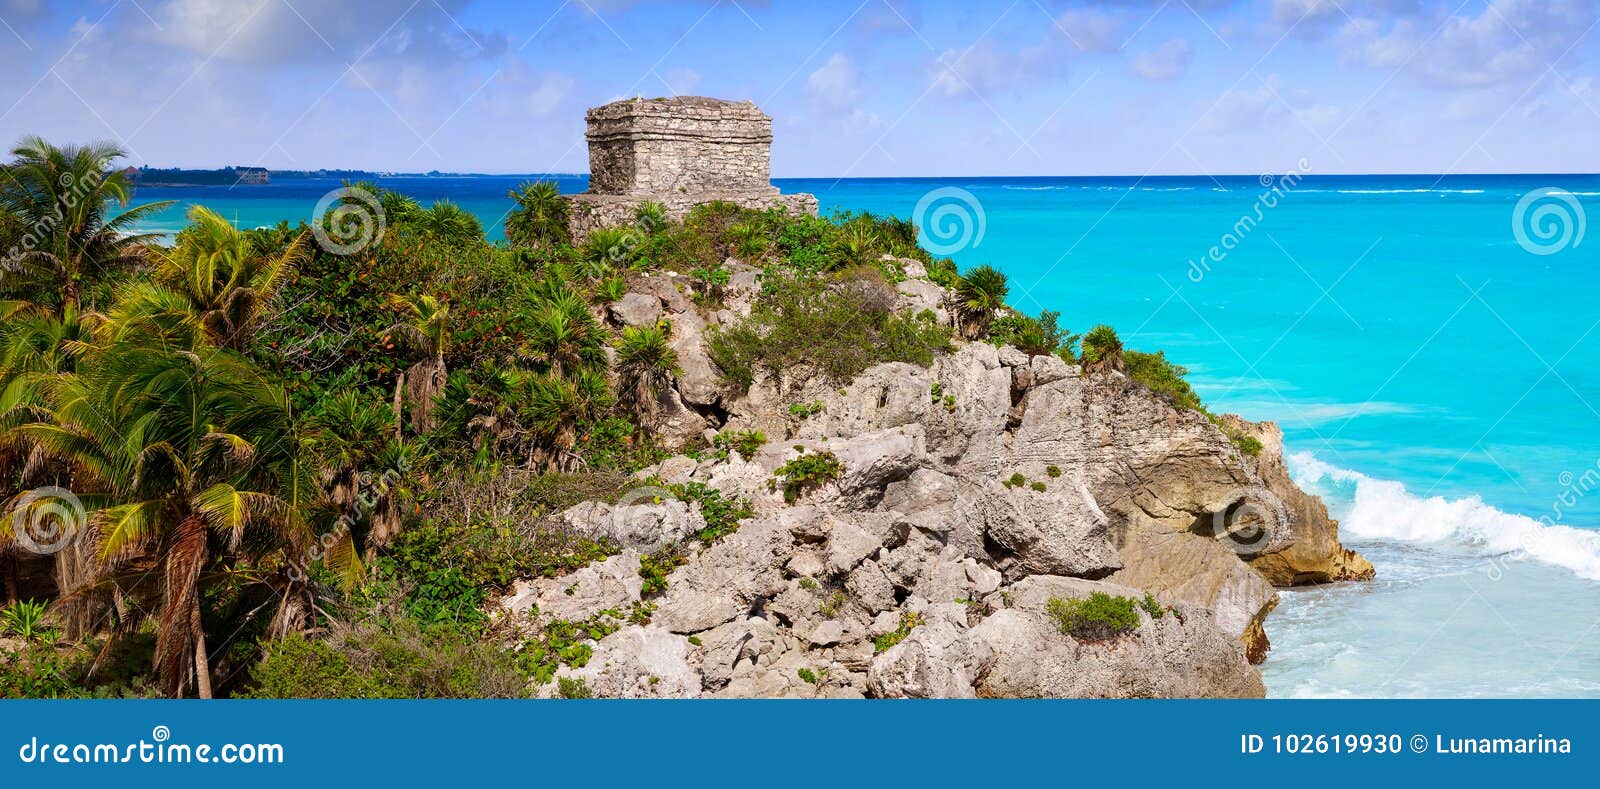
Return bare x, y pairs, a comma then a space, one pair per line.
978, 294
646, 363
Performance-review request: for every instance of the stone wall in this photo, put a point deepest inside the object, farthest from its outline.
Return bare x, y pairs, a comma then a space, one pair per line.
681, 145
589, 212
680, 152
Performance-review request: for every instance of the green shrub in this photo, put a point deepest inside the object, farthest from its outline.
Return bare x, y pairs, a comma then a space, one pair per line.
807, 675
562, 643
1096, 618
654, 568
1102, 349
573, 689
1034, 336
25, 620
808, 471
1052, 471
1152, 606
908, 622
1016, 480
836, 327
1038, 486
745, 442
387, 659
806, 410
1162, 377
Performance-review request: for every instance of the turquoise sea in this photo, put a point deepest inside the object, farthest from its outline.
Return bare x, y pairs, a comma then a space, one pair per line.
1430, 345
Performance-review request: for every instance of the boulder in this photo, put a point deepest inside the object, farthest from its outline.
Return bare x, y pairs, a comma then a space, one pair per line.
1179, 655
636, 309
613, 584
935, 661
1317, 556
729, 579
635, 663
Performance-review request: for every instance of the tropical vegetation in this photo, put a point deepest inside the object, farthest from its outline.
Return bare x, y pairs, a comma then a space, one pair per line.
286, 467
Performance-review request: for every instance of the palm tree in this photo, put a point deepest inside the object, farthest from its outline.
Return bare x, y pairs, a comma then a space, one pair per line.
60, 196
37, 348
427, 327
540, 218
556, 408
565, 335
194, 463
447, 222
646, 363
351, 440
978, 295
214, 275
1102, 349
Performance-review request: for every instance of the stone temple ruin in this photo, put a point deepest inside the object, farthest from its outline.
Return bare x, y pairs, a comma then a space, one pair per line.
679, 152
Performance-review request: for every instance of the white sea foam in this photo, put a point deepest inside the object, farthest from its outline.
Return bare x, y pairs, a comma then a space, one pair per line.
1382, 509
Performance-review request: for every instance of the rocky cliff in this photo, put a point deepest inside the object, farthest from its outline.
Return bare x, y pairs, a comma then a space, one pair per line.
945, 519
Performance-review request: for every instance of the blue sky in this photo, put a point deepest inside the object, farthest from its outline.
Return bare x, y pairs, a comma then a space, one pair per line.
873, 88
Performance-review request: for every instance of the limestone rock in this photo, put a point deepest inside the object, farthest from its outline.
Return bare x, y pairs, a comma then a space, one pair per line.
580, 595
934, 662
1180, 655
638, 662
636, 309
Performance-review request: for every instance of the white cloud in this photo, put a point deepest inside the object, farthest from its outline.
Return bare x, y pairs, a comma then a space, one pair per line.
1092, 31
1168, 61
1506, 41
987, 69
837, 85
276, 31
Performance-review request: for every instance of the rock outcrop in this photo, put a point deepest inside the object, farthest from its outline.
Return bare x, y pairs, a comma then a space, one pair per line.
968, 495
